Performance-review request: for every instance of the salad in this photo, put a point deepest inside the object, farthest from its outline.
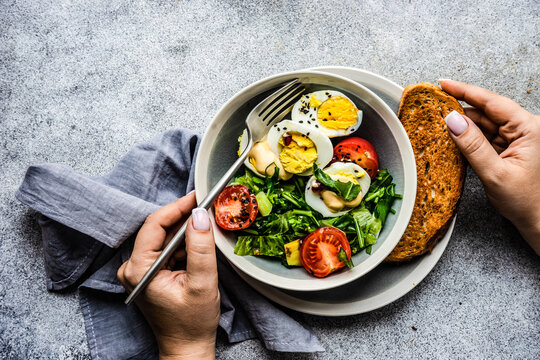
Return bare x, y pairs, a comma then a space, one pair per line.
304, 201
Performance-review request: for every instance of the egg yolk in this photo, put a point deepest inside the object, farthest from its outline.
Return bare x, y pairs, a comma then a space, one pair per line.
298, 152
239, 152
344, 176
314, 102
337, 113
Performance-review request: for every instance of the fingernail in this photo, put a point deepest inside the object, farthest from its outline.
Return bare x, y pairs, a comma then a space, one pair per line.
456, 123
201, 221
191, 192
439, 80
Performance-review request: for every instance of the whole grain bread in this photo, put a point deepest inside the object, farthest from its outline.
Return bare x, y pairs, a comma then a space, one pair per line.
440, 168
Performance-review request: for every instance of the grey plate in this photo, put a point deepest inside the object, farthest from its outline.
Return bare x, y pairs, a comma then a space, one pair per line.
218, 150
384, 284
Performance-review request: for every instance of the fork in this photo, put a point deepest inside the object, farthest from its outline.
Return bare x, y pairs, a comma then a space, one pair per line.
270, 111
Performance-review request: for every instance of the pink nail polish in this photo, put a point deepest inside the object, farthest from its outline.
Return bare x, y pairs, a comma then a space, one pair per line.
456, 123
201, 221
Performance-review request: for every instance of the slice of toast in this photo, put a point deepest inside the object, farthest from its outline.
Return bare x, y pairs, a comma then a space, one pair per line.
440, 168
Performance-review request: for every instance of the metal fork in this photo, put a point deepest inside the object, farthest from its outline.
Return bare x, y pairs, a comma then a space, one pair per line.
270, 111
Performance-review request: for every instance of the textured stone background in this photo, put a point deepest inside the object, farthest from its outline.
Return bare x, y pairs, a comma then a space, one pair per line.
83, 81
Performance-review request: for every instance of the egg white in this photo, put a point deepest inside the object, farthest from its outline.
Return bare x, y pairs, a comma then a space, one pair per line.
309, 116
314, 200
325, 151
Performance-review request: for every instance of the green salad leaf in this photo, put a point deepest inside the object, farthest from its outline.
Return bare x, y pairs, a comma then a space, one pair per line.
254, 183
381, 196
265, 205
363, 224
342, 256
347, 190
286, 215
271, 245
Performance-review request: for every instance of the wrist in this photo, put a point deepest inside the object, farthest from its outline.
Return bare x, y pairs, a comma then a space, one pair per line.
532, 237
530, 231
178, 349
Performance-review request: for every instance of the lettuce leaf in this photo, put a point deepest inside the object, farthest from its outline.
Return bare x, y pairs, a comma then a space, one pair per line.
249, 179
271, 245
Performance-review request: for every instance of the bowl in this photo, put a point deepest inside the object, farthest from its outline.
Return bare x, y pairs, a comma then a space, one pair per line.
380, 126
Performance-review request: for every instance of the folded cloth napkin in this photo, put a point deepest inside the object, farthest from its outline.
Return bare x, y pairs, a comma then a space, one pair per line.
88, 228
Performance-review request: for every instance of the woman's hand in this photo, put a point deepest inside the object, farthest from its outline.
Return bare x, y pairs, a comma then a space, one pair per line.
501, 141
182, 307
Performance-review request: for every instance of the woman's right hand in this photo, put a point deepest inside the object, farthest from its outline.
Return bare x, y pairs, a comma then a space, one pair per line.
181, 306
501, 141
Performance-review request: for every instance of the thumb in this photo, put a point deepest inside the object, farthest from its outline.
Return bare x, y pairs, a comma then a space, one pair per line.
201, 264
474, 146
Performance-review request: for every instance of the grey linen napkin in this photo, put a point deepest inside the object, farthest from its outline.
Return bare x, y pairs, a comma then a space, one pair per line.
88, 228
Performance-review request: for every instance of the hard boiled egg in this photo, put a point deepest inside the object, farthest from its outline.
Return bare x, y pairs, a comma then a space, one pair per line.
328, 203
329, 111
299, 147
261, 160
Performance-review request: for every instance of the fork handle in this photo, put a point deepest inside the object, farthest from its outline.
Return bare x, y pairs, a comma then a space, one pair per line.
179, 237
216, 190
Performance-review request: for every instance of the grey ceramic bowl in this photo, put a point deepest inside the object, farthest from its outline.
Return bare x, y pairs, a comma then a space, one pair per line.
218, 150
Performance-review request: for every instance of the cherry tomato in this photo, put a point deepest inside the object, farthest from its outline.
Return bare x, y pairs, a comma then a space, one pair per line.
236, 208
320, 250
359, 151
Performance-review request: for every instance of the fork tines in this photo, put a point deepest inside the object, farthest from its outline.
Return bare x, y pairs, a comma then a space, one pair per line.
282, 102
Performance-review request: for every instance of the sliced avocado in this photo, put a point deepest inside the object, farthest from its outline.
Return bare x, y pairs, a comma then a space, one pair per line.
292, 252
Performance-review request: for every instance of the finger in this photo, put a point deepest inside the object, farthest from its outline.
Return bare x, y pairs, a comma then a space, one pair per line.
499, 109
489, 128
121, 276
177, 257
201, 263
180, 254
171, 231
151, 237
499, 144
474, 146
171, 213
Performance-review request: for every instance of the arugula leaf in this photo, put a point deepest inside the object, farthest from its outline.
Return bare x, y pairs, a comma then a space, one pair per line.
347, 190
342, 256
271, 182
381, 196
359, 233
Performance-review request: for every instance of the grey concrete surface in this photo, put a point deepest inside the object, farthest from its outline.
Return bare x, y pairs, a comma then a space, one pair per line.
83, 81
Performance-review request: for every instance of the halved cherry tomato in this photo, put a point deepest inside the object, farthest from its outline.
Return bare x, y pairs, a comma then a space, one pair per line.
320, 249
359, 151
236, 208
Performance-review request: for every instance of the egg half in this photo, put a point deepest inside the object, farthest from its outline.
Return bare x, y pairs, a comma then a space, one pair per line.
341, 171
261, 158
299, 147
329, 111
